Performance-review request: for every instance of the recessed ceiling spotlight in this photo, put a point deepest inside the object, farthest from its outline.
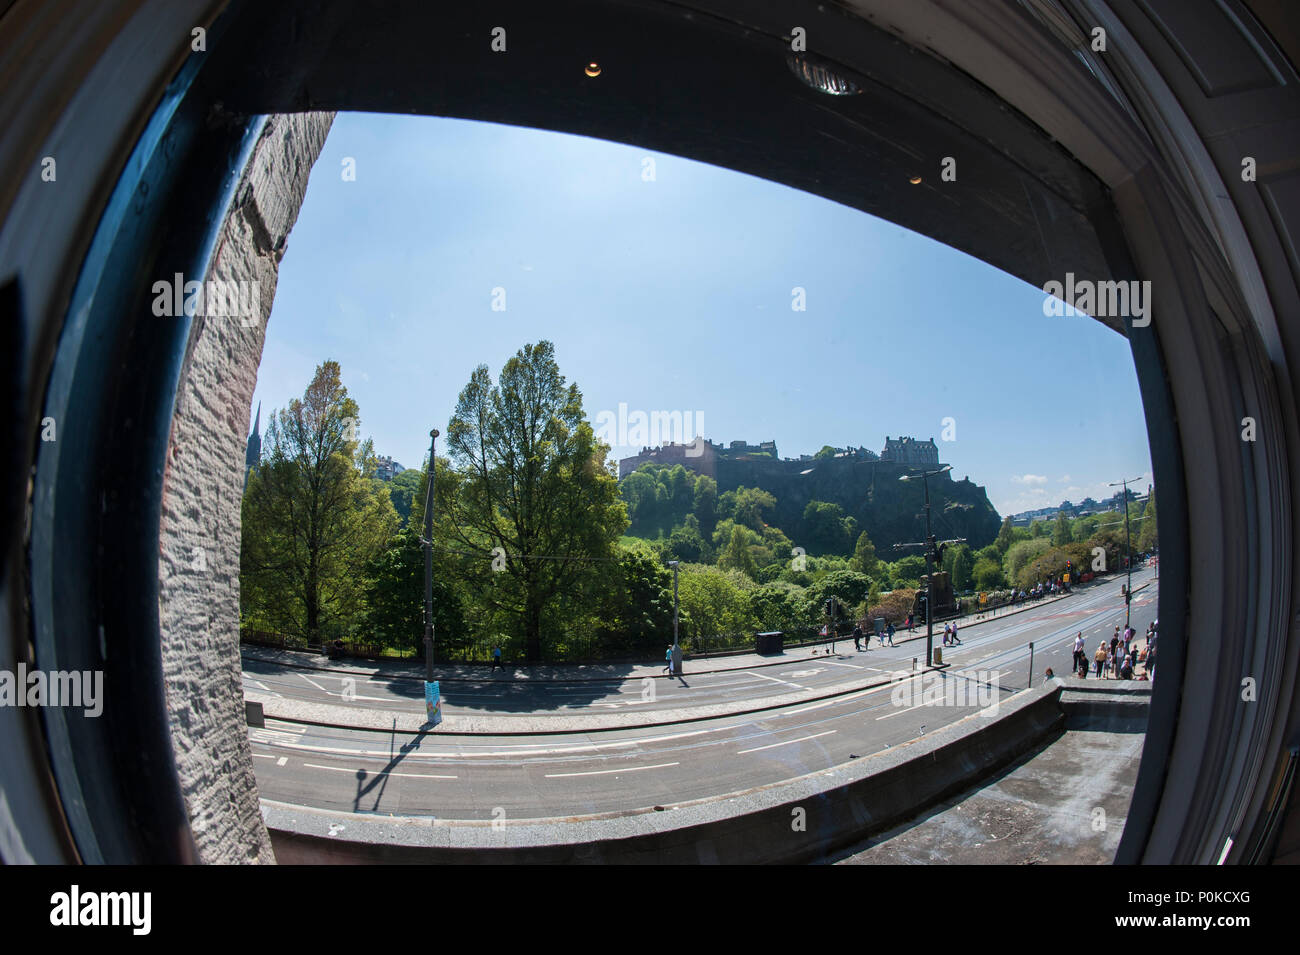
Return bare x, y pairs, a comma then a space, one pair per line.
593, 68
915, 180
819, 76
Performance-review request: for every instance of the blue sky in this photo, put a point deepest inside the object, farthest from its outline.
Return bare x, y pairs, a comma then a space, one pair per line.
675, 294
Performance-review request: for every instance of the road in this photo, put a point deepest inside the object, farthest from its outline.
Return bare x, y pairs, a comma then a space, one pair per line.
618, 771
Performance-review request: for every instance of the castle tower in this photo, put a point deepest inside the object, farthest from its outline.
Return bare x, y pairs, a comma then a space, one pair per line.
253, 451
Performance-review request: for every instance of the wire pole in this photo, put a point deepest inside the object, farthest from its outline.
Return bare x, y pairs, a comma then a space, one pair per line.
1128, 548
428, 559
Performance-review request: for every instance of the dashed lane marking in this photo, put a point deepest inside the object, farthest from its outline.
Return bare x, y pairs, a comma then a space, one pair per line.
378, 772
801, 739
610, 772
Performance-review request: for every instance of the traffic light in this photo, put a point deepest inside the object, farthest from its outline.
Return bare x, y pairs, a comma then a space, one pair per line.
827, 607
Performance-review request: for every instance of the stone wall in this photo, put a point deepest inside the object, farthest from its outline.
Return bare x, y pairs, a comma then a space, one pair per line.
200, 536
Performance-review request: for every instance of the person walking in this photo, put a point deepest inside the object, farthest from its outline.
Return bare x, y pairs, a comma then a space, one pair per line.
955, 641
668, 659
1078, 650
857, 638
889, 631
496, 659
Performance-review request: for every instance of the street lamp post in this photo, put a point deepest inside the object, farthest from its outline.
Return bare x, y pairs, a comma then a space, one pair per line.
929, 547
427, 542
677, 650
1128, 551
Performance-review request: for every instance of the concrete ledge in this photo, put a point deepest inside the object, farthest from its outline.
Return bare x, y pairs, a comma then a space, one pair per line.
1113, 706
837, 808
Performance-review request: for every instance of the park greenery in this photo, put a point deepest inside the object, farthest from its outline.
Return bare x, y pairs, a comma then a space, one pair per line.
540, 549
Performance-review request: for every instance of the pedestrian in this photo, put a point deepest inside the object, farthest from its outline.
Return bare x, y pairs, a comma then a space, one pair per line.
1126, 668
1049, 674
668, 659
890, 632
496, 659
955, 641
1099, 659
857, 638
1078, 650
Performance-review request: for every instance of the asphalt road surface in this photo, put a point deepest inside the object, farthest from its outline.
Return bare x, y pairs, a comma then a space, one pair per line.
483, 777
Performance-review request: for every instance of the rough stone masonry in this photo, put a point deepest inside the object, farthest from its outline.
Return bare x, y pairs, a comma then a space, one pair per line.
198, 563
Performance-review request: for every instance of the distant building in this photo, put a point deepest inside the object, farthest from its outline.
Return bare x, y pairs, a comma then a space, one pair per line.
909, 451
253, 450
738, 448
700, 456
388, 468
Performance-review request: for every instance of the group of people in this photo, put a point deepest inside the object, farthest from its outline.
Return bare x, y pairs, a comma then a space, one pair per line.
859, 635
1120, 658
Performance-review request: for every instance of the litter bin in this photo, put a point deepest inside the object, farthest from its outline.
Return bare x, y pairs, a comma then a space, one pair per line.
770, 643
938, 656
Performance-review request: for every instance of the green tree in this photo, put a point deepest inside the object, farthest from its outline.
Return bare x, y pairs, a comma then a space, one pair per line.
533, 482
988, 574
403, 489
848, 587
962, 571
826, 528
637, 616
1021, 555
395, 598
864, 556
312, 515
706, 505
1149, 537
716, 602
1061, 534
1006, 537
907, 571
737, 555
747, 504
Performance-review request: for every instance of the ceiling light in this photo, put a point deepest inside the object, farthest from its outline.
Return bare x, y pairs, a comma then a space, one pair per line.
820, 76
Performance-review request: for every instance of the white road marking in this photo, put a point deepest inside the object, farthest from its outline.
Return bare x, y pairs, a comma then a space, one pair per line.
840, 699
282, 760
378, 772
778, 680
856, 666
607, 772
908, 709
263, 756
801, 739
315, 684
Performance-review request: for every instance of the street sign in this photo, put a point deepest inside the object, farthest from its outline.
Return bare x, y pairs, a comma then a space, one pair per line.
433, 702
